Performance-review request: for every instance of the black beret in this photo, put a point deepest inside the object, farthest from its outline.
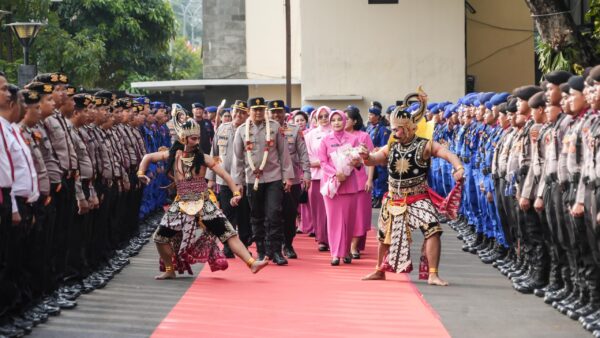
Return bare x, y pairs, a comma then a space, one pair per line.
53, 78
41, 88
586, 72
105, 94
30, 96
511, 106
564, 87
124, 103
71, 90
502, 107
595, 73
526, 92
276, 104
538, 100
197, 105
576, 82
557, 77
82, 100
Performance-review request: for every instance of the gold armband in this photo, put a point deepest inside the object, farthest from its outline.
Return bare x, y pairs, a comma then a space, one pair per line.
457, 169
140, 173
237, 193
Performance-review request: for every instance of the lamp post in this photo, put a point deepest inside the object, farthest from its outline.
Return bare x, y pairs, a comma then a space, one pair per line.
26, 33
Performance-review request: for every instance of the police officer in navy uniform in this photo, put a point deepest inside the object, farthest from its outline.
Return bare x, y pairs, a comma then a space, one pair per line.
379, 135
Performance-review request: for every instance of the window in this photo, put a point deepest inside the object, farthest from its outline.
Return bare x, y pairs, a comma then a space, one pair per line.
377, 2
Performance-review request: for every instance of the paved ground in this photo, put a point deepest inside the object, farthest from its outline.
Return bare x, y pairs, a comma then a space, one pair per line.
482, 303
479, 303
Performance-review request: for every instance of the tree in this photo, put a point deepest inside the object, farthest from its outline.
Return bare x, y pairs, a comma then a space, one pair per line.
561, 45
100, 43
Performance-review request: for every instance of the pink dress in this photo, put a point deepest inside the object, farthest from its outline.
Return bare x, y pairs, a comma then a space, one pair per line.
363, 208
341, 209
317, 207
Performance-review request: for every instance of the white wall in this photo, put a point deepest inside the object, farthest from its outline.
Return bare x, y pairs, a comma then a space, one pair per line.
382, 52
265, 38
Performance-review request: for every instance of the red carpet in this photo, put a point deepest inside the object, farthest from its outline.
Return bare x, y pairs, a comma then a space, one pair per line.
307, 298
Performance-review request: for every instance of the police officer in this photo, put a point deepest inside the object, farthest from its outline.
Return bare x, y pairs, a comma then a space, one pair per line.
208, 132
262, 161
302, 178
379, 135
222, 152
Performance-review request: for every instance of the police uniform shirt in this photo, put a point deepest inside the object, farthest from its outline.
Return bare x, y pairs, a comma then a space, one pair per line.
86, 169
298, 151
7, 172
222, 150
587, 160
536, 136
25, 183
32, 139
56, 128
105, 160
127, 145
92, 148
278, 165
140, 141
55, 172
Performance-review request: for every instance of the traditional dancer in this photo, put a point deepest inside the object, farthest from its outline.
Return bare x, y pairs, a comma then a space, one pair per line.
192, 207
408, 204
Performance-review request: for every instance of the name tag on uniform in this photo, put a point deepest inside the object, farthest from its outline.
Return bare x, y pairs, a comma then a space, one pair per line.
290, 139
222, 141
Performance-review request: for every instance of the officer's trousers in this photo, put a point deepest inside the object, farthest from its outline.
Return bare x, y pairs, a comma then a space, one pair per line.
265, 216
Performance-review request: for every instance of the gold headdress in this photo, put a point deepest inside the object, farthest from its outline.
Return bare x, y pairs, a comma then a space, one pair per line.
182, 124
401, 117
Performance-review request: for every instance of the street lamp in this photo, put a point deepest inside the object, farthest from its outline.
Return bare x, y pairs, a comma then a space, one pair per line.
26, 33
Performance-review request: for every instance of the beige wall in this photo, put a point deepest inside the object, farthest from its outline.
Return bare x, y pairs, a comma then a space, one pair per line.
382, 52
276, 92
512, 64
265, 38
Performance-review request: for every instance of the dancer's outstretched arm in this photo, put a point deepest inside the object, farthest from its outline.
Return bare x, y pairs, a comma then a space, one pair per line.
146, 160
377, 158
217, 169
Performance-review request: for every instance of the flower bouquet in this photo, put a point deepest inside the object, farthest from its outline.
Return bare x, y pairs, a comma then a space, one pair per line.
342, 161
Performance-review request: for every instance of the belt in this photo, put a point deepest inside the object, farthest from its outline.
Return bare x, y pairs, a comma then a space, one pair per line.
71, 173
23, 200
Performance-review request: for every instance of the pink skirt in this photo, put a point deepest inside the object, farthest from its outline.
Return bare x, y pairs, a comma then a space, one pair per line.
306, 225
363, 214
341, 219
318, 214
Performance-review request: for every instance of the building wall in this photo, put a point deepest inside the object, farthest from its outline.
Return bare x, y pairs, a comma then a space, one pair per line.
276, 92
382, 52
224, 40
500, 45
265, 38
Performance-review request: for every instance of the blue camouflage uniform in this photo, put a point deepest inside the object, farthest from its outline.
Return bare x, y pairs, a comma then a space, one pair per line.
379, 134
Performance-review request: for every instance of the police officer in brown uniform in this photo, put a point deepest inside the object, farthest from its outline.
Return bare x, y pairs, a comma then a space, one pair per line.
262, 162
302, 179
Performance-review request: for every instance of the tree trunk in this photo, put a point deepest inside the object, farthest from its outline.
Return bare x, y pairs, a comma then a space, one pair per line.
559, 30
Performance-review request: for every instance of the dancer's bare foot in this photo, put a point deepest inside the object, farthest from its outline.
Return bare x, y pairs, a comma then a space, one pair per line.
166, 275
377, 275
258, 265
434, 279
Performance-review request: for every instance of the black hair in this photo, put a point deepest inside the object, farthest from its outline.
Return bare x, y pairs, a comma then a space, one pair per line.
198, 156
355, 115
14, 90
303, 114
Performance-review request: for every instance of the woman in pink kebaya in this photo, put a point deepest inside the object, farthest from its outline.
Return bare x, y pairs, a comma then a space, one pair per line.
317, 207
354, 126
340, 205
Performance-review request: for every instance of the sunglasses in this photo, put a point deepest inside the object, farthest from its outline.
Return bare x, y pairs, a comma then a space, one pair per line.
193, 138
323, 117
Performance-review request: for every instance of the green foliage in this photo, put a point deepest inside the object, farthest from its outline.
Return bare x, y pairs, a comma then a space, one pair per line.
593, 16
186, 63
103, 43
550, 59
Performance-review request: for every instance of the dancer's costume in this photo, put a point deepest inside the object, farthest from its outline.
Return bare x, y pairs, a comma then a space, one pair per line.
410, 203
193, 216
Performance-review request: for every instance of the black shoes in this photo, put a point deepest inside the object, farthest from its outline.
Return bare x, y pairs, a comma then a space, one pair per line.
288, 251
323, 247
356, 255
335, 261
347, 260
279, 259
